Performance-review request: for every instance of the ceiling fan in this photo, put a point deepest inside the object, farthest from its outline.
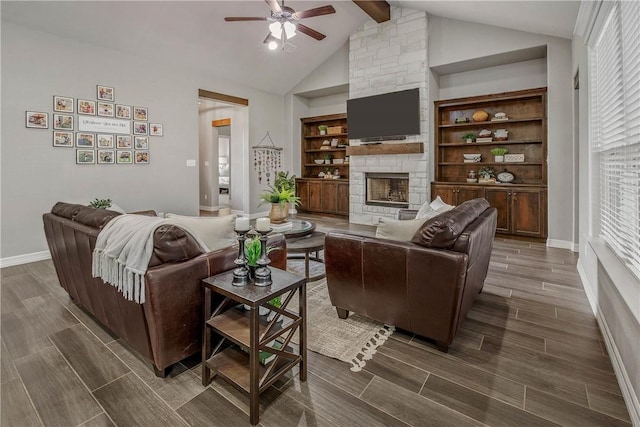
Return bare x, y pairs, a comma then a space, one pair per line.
284, 22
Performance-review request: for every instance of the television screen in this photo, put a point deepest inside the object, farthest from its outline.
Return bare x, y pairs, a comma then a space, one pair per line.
383, 116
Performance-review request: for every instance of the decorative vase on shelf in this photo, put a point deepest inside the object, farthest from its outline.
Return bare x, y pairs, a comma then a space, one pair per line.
499, 159
279, 212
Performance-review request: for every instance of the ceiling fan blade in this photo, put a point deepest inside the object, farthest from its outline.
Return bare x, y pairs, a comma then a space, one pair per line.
318, 11
310, 32
244, 18
274, 6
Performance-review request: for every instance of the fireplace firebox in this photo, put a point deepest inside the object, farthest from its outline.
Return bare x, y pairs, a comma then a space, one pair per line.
387, 189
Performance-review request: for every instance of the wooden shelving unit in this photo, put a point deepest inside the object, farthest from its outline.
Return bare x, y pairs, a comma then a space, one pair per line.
521, 205
329, 196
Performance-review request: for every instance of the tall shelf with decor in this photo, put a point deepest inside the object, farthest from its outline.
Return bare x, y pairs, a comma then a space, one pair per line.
323, 185
517, 187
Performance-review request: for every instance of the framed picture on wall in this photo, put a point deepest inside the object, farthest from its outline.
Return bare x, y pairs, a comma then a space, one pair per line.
106, 157
86, 107
123, 141
105, 109
140, 113
85, 140
105, 93
141, 142
105, 141
156, 129
140, 128
85, 157
123, 111
63, 121
124, 156
142, 157
37, 120
62, 139
63, 104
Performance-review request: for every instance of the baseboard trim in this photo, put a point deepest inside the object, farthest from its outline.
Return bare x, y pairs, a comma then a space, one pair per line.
209, 208
626, 387
24, 259
563, 244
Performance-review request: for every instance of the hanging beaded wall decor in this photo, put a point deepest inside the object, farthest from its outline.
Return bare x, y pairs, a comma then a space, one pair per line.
266, 159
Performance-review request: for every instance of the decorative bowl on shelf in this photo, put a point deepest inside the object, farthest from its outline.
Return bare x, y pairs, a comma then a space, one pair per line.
474, 157
319, 161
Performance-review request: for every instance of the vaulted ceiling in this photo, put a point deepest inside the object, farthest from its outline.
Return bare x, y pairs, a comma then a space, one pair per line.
195, 34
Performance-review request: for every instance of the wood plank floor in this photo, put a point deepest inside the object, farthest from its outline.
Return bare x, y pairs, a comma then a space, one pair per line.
529, 353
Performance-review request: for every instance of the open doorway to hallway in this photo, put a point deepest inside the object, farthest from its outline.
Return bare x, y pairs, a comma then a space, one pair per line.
223, 153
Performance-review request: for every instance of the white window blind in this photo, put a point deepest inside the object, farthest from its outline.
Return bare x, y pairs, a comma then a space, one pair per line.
615, 129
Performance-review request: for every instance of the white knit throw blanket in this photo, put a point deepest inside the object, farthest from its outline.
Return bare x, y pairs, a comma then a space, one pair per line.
122, 253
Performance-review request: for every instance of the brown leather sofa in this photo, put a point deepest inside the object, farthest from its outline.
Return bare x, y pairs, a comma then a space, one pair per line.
425, 286
168, 326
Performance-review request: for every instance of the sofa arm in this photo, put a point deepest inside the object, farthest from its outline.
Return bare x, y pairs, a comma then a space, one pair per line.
399, 283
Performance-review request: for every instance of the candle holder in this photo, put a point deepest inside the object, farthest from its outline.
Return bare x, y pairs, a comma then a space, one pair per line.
241, 273
263, 273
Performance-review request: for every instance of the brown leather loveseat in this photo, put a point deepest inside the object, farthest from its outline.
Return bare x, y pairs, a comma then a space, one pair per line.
425, 286
167, 327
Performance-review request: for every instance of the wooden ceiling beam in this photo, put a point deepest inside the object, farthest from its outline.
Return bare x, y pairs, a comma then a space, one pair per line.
379, 10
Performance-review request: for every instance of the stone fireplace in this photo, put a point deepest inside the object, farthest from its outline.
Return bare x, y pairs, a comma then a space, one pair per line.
387, 189
383, 58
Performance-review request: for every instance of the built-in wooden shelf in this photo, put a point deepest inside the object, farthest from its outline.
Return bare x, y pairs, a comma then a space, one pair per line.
382, 148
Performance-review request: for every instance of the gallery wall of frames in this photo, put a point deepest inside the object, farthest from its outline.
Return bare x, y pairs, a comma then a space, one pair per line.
101, 130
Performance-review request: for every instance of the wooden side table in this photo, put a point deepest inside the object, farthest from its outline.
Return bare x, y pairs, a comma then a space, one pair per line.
313, 242
252, 332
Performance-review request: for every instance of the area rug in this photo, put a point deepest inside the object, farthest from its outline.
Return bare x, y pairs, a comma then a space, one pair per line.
353, 340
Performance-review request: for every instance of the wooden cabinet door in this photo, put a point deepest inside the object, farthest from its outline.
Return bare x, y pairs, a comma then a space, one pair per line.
446, 192
527, 206
330, 197
500, 198
315, 196
468, 193
343, 198
302, 191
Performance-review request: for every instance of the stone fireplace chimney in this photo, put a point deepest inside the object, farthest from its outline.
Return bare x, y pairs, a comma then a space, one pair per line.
383, 58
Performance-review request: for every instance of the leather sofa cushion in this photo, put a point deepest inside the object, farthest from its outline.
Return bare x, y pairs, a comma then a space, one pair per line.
443, 230
66, 210
96, 218
172, 243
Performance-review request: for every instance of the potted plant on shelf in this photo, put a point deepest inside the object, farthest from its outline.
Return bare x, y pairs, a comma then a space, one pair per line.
469, 137
499, 153
323, 129
327, 159
487, 175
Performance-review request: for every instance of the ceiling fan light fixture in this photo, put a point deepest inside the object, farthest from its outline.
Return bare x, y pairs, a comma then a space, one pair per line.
276, 29
272, 45
289, 29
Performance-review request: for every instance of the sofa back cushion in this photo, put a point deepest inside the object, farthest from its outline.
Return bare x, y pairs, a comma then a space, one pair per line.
214, 231
443, 230
85, 215
172, 243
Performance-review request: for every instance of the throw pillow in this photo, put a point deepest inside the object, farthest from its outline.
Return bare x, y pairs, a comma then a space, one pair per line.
215, 231
438, 203
400, 230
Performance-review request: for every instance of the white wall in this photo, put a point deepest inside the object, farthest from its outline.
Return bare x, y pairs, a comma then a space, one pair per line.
331, 104
502, 78
331, 73
452, 41
208, 157
35, 175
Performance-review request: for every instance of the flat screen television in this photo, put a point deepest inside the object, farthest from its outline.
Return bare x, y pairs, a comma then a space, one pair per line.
385, 116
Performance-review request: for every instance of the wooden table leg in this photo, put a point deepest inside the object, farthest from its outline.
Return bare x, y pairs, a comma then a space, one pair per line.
254, 367
206, 338
302, 337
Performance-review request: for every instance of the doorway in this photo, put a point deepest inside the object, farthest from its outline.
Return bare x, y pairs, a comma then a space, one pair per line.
223, 152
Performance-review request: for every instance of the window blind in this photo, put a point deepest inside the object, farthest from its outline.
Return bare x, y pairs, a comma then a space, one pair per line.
615, 129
